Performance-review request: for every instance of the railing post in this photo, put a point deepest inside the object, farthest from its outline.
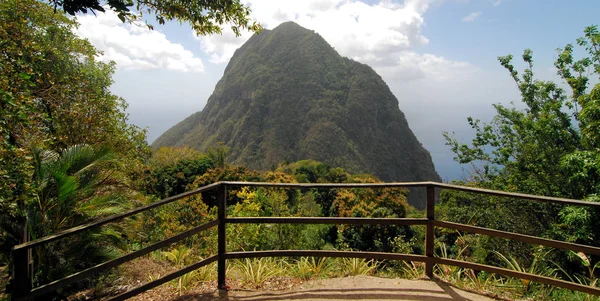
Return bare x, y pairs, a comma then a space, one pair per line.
429, 236
222, 214
22, 280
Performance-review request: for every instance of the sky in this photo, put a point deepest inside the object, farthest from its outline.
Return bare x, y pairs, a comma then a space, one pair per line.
439, 57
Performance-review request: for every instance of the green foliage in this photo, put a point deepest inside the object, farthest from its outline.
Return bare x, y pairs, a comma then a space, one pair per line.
589, 279
174, 179
413, 270
357, 266
256, 271
178, 256
229, 173
204, 17
207, 272
307, 268
75, 186
52, 93
271, 202
168, 156
534, 267
60, 92
172, 219
311, 171
548, 148
218, 154
182, 256
520, 149
63, 138
192, 278
379, 203
496, 213
186, 281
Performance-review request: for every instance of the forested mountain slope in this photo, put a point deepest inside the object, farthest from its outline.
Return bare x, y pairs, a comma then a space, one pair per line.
287, 95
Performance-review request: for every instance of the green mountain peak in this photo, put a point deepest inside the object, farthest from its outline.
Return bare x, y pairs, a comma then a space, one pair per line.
287, 95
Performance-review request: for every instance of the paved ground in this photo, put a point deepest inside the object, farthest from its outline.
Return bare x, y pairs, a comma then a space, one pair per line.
351, 288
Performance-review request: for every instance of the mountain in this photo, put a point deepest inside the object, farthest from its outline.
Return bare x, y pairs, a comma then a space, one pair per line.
287, 95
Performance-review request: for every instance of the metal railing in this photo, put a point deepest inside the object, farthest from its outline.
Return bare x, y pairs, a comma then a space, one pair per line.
23, 265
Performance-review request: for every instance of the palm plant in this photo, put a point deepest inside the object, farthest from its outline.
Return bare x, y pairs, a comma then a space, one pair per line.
74, 186
357, 266
178, 256
308, 267
413, 270
256, 271
451, 273
589, 279
535, 267
480, 282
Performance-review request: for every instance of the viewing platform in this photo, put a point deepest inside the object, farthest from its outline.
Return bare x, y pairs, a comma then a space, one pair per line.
395, 289
346, 288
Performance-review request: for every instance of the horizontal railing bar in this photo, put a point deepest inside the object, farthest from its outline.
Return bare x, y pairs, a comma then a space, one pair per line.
544, 199
112, 218
80, 228
521, 275
117, 261
329, 185
562, 201
327, 220
152, 284
318, 253
520, 237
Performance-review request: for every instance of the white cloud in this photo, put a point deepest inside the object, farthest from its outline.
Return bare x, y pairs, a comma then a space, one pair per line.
410, 66
356, 29
471, 17
134, 46
382, 35
497, 2
220, 48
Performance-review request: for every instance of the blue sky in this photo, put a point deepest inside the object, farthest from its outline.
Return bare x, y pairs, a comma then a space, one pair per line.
506, 28
437, 56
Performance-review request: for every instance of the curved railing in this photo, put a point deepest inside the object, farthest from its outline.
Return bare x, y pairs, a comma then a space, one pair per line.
23, 265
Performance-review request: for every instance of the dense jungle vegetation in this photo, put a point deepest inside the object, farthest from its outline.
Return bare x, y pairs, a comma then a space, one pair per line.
68, 156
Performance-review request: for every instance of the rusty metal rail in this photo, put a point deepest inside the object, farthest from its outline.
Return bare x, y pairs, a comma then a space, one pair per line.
23, 265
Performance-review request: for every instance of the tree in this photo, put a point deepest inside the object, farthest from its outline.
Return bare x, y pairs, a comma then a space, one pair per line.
205, 17
171, 169
218, 154
548, 148
370, 202
532, 150
168, 156
54, 94
171, 180
77, 185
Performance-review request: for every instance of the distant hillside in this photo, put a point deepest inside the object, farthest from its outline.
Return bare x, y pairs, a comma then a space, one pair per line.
287, 95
